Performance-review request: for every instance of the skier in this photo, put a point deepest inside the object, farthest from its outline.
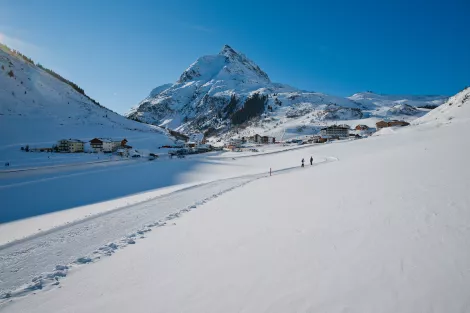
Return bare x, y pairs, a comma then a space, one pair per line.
303, 162
311, 160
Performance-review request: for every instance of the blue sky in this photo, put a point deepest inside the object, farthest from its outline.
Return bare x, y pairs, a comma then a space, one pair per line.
119, 50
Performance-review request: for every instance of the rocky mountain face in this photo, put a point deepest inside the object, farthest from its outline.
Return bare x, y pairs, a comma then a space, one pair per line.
220, 93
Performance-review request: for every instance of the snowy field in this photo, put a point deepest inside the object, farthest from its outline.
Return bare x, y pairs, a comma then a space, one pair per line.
65, 186
376, 225
59, 232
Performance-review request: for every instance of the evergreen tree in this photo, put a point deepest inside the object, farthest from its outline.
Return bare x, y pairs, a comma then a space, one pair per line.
253, 106
231, 106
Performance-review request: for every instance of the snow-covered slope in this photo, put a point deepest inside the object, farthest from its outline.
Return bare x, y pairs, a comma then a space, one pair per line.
370, 100
38, 109
404, 109
456, 109
156, 91
216, 87
383, 227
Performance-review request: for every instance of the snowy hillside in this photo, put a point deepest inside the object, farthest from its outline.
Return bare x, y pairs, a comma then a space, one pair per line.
38, 109
405, 109
211, 93
456, 109
372, 100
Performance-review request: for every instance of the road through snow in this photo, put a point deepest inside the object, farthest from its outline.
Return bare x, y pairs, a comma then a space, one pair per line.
38, 261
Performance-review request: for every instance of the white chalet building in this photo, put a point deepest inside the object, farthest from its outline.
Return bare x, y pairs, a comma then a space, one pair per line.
335, 131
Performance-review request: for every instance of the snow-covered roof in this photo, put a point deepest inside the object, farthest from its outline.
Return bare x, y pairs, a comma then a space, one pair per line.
73, 140
108, 139
335, 127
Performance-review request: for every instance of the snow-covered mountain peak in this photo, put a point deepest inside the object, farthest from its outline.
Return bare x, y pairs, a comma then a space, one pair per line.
228, 51
204, 69
227, 65
238, 63
219, 92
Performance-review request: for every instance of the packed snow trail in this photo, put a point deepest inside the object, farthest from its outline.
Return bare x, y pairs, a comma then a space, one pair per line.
15, 168
38, 261
22, 260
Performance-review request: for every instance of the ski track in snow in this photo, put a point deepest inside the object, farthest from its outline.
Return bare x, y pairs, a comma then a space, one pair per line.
40, 261
66, 165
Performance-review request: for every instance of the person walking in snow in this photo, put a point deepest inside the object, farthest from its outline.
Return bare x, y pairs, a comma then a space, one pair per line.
303, 162
311, 160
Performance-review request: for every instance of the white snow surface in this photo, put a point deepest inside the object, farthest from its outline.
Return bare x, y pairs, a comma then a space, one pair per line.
376, 225
48, 228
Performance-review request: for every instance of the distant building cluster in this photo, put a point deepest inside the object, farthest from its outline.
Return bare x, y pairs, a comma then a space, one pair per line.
361, 127
335, 131
193, 144
197, 143
329, 133
105, 145
254, 139
70, 145
394, 123
108, 145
